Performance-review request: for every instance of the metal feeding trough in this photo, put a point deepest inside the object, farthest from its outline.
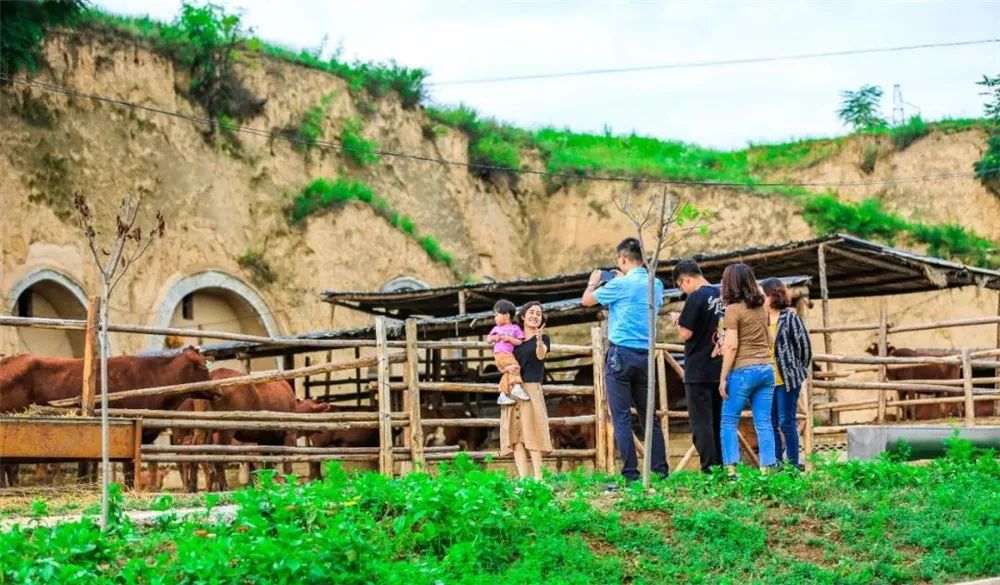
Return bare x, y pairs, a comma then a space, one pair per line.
924, 441
64, 439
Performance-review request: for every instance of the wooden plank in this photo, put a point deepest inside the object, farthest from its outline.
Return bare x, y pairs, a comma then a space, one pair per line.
252, 425
384, 405
268, 376
874, 360
91, 357
807, 435
254, 415
416, 431
970, 405
855, 385
600, 401
943, 324
883, 351
824, 290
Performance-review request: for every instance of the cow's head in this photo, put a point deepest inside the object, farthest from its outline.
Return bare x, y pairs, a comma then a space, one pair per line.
309, 406
197, 366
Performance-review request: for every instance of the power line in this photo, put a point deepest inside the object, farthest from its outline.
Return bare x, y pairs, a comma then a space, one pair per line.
322, 144
699, 64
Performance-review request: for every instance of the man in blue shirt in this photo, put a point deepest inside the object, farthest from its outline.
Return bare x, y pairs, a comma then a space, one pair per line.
627, 298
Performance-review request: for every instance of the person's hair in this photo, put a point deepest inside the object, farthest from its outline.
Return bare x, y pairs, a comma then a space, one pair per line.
631, 248
777, 292
686, 267
505, 307
740, 286
524, 311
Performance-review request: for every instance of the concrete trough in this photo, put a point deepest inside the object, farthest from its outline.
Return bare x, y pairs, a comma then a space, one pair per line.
925, 441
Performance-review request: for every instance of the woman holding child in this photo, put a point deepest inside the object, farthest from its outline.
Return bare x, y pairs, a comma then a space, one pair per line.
524, 425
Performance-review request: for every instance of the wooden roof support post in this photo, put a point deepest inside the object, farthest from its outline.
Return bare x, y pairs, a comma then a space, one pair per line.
883, 351
600, 400
90, 361
996, 404
824, 291
661, 380
415, 431
384, 404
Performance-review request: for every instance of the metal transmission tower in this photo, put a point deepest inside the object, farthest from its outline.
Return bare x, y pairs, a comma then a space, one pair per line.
899, 106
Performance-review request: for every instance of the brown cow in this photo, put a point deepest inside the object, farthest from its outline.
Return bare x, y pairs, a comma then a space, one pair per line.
467, 438
27, 379
929, 372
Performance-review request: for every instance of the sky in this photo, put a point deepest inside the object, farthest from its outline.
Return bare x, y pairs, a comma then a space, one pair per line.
723, 106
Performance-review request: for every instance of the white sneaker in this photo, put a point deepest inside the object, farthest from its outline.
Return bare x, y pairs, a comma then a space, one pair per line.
519, 393
504, 400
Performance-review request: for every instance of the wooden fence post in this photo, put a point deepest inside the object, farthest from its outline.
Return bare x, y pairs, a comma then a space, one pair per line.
384, 403
825, 315
90, 361
415, 431
600, 400
661, 376
883, 351
970, 405
808, 430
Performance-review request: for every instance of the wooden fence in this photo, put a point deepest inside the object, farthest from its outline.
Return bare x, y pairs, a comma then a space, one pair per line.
413, 453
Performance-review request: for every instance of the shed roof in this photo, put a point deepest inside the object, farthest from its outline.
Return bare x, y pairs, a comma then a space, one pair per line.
855, 268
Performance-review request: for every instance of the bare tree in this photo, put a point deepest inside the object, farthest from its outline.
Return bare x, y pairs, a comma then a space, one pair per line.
113, 261
668, 220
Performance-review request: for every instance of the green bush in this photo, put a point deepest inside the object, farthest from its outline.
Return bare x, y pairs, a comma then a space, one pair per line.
322, 194
860, 109
988, 167
491, 144
848, 523
22, 29
905, 135
310, 129
869, 156
360, 151
868, 219
260, 269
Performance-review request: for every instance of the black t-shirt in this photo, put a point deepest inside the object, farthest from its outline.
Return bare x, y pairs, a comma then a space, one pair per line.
532, 368
702, 312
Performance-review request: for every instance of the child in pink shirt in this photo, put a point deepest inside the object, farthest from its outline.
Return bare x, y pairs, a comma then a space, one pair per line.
504, 337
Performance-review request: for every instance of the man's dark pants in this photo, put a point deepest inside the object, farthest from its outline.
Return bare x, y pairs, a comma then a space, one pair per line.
625, 379
705, 418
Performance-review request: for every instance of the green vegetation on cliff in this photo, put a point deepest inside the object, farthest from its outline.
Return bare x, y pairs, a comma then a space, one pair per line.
323, 194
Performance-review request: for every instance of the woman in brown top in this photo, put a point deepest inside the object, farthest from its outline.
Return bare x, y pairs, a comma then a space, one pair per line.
746, 365
524, 426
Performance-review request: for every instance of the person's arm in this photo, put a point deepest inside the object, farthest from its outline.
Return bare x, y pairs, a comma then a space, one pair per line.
589, 300
512, 340
492, 339
730, 344
541, 345
687, 321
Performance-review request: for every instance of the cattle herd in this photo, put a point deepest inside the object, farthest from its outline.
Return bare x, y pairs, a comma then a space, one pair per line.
28, 379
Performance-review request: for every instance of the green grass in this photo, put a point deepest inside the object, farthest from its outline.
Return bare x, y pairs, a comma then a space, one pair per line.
869, 219
323, 194
310, 129
356, 148
491, 144
377, 79
260, 269
874, 522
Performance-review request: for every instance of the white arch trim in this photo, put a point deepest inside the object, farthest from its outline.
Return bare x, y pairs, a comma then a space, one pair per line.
401, 283
42, 275
49, 275
181, 286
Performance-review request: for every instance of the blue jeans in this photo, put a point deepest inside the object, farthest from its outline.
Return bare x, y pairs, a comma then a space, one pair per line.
625, 378
756, 384
784, 423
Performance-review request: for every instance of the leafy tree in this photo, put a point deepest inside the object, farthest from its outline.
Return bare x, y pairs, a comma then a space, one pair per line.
988, 167
860, 109
22, 29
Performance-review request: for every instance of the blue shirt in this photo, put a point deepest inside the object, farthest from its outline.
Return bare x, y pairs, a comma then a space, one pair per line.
627, 300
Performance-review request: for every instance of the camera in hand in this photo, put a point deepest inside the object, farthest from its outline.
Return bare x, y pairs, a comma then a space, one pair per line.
606, 275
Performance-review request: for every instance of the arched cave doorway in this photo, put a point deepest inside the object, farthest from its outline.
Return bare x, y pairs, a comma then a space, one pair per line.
47, 293
215, 301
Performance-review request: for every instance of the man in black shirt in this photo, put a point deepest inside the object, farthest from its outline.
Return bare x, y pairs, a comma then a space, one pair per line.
698, 326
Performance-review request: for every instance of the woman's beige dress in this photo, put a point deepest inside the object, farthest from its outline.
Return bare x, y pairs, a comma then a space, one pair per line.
526, 421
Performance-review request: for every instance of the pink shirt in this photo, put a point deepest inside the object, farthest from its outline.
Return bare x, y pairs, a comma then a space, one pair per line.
511, 330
